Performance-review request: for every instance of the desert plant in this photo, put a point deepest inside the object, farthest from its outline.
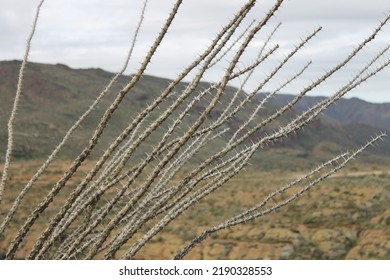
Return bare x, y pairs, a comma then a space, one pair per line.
125, 193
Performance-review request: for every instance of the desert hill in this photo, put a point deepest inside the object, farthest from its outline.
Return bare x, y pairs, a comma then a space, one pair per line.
55, 95
346, 111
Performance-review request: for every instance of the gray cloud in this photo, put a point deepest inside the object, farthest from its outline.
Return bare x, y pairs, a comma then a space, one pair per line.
92, 33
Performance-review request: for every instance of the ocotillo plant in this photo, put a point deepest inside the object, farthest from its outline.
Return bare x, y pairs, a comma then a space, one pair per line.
96, 222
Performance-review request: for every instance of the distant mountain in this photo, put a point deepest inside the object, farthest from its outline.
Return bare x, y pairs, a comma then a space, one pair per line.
54, 96
347, 111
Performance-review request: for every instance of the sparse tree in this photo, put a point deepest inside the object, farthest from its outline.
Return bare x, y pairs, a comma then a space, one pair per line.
96, 222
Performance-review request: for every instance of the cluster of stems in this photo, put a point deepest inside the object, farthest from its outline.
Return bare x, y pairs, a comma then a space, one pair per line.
132, 192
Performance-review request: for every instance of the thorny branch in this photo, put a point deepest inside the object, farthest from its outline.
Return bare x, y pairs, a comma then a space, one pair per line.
191, 120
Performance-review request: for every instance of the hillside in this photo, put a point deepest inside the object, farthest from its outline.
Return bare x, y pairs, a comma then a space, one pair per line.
55, 95
347, 111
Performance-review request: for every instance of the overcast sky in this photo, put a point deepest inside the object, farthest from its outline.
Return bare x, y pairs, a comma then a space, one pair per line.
96, 33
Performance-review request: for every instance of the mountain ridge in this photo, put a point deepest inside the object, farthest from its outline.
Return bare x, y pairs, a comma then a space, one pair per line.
349, 111
54, 96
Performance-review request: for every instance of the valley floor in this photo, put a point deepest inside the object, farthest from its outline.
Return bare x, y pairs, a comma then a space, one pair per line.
345, 217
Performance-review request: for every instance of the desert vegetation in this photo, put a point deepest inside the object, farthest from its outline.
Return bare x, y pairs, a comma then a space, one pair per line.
178, 150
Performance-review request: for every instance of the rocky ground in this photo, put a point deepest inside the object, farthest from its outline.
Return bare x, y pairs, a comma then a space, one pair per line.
345, 217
